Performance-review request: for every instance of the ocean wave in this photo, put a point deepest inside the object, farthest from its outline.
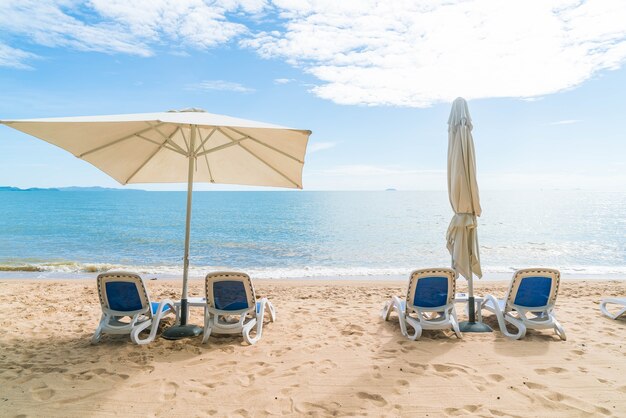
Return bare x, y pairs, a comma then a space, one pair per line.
77, 269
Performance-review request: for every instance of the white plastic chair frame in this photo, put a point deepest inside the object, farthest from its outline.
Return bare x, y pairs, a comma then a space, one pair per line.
543, 317
615, 301
140, 319
215, 320
439, 317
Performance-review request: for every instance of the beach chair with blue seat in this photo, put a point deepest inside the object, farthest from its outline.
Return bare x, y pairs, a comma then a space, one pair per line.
429, 303
124, 295
529, 303
619, 302
232, 307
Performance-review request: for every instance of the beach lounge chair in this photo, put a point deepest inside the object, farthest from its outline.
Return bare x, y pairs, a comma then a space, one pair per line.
429, 303
529, 303
231, 294
125, 295
621, 302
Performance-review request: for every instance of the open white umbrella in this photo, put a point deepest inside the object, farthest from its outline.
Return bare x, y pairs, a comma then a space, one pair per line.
179, 146
463, 192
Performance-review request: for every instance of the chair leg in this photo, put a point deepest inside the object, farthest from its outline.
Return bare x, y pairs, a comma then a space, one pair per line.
396, 304
248, 327
558, 328
138, 329
258, 321
270, 307
521, 328
606, 312
206, 333
455, 324
504, 318
96, 336
415, 325
386, 312
153, 323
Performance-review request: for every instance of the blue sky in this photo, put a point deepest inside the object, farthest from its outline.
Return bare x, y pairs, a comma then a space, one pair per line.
373, 81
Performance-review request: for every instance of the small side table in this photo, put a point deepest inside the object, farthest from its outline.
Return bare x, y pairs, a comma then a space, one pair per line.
191, 302
478, 303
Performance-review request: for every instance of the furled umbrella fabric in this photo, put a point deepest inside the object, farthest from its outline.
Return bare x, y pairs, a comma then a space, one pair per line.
179, 146
462, 239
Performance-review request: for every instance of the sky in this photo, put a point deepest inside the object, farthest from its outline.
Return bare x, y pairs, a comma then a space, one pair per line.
374, 80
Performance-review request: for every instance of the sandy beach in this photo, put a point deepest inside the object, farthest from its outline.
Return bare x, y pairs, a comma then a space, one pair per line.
328, 354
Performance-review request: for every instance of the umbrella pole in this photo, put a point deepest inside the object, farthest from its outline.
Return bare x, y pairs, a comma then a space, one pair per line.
184, 308
470, 291
472, 325
184, 330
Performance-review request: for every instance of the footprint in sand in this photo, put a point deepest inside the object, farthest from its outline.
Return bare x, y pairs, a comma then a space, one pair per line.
353, 330
532, 385
246, 380
466, 410
168, 391
242, 413
550, 370
401, 387
375, 398
41, 392
549, 398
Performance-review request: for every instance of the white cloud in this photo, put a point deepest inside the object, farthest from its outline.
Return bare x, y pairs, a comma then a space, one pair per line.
14, 58
417, 53
46, 23
565, 122
372, 52
531, 99
121, 26
283, 80
320, 146
220, 85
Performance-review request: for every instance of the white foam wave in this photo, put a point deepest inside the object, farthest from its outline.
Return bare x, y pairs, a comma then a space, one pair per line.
75, 269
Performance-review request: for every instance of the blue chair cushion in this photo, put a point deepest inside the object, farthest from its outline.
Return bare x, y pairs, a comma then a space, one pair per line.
123, 296
533, 292
230, 295
155, 306
431, 292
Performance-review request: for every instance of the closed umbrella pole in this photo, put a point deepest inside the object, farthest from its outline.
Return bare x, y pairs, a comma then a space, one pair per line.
462, 239
470, 288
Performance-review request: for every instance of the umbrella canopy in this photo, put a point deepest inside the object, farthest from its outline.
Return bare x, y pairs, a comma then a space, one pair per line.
155, 147
463, 193
179, 146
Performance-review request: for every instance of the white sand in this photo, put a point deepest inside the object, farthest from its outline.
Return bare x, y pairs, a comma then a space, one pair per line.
329, 353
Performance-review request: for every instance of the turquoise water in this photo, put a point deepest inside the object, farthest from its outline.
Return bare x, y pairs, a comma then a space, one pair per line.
303, 234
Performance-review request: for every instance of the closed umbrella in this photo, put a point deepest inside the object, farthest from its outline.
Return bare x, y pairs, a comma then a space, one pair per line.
463, 193
179, 146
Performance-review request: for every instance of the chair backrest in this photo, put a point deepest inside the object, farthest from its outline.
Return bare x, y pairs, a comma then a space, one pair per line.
230, 292
534, 288
123, 292
430, 289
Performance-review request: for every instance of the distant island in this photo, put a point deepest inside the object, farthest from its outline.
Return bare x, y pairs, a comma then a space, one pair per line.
66, 189
391, 190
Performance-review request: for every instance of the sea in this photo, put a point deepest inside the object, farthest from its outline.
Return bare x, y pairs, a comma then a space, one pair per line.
304, 234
